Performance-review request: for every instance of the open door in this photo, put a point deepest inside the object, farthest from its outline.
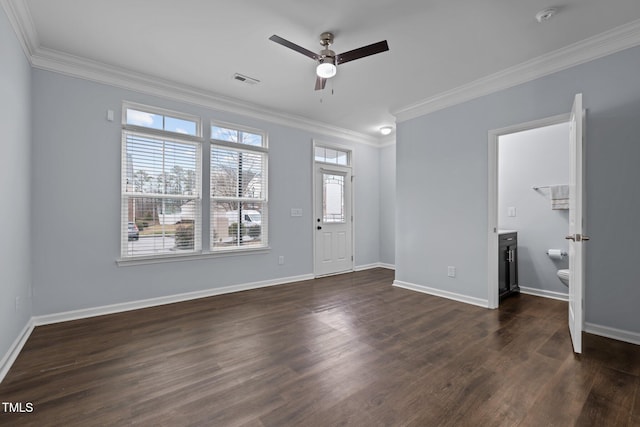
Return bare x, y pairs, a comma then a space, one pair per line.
576, 222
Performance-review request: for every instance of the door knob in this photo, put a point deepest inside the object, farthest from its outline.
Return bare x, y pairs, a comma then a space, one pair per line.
319, 228
570, 237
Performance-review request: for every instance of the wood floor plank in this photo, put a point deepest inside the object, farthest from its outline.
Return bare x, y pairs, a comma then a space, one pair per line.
340, 350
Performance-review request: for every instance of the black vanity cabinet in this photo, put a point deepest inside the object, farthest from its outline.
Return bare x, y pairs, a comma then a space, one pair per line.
508, 263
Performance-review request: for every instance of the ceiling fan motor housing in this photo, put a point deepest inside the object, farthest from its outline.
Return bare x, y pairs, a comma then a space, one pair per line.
327, 54
326, 39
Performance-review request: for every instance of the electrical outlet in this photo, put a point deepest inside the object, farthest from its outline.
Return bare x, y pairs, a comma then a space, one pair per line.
451, 271
280, 260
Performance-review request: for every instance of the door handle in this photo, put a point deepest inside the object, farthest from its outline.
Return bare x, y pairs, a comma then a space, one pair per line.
577, 237
319, 228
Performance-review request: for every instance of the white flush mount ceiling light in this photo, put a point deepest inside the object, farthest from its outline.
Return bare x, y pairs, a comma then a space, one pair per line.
386, 130
326, 68
545, 15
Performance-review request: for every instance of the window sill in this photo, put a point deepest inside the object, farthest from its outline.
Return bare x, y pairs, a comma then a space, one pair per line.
161, 259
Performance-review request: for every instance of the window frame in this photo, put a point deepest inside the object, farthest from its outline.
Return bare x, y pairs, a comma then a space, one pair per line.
240, 147
195, 141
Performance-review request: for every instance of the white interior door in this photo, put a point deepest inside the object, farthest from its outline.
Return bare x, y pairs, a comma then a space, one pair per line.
576, 222
333, 220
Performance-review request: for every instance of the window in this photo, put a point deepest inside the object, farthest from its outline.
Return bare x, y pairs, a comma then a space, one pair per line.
333, 198
333, 156
238, 188
161, 183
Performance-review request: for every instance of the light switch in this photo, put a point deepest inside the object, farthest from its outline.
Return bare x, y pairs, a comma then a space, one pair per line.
296, 212
511, 211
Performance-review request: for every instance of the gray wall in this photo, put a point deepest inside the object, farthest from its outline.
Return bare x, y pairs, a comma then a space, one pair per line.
76, 193
537, 157
442, 180
15, 186
388, 204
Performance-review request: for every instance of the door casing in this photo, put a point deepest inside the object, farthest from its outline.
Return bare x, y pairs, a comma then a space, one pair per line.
315, 197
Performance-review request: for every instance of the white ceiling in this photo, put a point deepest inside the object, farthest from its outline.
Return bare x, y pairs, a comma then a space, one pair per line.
435, 46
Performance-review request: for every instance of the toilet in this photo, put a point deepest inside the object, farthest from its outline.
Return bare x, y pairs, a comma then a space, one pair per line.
563, 275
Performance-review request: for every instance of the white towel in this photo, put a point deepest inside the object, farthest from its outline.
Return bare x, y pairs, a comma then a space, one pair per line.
559, 196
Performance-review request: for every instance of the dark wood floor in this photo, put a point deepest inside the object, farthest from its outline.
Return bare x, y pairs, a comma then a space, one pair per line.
343, 350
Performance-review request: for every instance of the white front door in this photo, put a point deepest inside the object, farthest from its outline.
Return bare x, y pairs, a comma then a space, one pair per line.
576, 236
333, 220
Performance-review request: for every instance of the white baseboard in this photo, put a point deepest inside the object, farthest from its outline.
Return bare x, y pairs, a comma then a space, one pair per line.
15, 349
616, 334
440, 293
152, 302
374, 265
545, 294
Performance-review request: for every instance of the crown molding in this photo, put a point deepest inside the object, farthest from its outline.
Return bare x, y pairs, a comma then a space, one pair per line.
612, 41
387, 141
20, 19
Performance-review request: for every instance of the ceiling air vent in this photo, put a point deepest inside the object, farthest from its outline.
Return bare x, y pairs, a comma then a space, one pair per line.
245, 79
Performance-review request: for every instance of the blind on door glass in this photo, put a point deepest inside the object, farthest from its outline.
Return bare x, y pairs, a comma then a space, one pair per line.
161, 196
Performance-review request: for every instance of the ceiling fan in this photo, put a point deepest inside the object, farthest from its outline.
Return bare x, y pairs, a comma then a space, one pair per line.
327, 59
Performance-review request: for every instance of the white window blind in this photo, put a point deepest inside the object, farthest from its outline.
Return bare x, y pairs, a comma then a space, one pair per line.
161, 185
239, 203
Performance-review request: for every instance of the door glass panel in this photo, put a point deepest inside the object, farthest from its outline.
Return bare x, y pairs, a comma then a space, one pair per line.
333, 198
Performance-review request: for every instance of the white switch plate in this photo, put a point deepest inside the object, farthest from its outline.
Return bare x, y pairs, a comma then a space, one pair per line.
296, 212
280, 260
511, 211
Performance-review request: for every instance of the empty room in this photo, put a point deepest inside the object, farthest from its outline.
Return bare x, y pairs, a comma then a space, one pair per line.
282, 213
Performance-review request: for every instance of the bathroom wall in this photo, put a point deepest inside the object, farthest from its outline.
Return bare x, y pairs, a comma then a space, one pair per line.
537, 157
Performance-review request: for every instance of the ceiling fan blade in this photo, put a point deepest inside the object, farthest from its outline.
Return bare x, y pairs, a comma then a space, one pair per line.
361, 52
293, 46
320, 83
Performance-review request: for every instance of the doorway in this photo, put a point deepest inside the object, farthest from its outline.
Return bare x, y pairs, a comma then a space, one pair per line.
533, 165
576, 199
494, 214
333, 210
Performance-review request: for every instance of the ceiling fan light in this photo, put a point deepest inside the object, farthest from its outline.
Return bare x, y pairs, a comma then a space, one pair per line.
386, 130
326, 68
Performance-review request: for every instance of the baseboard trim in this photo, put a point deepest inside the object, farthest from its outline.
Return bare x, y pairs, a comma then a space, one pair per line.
153, 302
440, 293
616, 334
544, 293
15, 349
374, 265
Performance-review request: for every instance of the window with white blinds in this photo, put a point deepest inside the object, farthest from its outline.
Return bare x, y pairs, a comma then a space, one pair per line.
238, 175
161, 183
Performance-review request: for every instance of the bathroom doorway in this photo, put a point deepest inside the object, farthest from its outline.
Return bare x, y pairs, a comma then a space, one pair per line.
575, 238
533, 166
514, 204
